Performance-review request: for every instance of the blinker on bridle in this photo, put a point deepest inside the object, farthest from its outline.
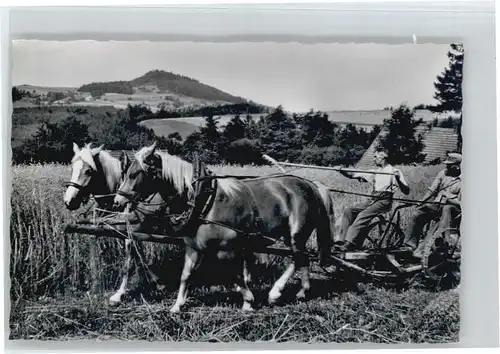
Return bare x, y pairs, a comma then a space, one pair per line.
78, 186
134, 197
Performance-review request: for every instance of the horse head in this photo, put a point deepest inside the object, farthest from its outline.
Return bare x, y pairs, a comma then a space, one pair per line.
94, 171
139, 178
152, 172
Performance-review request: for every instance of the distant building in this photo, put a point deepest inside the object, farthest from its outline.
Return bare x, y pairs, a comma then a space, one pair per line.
437, 142
63, 101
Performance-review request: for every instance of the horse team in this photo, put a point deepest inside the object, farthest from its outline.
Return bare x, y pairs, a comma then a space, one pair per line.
277, 206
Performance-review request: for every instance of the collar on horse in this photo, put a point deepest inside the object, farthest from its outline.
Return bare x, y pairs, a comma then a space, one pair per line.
205, 190
199, 203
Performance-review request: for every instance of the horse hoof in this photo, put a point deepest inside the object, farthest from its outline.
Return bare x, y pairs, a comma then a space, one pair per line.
175, 309
301, 295
114, 301
273, 299
247, 307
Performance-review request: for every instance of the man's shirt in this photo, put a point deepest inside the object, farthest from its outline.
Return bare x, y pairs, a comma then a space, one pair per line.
382, 182
449, 186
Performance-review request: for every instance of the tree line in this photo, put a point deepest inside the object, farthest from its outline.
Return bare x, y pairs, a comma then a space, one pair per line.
308, 138
143, 112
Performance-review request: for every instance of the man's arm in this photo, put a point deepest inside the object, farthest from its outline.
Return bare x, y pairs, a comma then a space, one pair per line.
453, 199
405, 189
434, 188
362, 177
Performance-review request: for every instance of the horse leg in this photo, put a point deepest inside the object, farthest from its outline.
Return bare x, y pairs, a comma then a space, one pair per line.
243, 286
191, 260
276, 290
126, 271
151, 275
302, 261
278, 287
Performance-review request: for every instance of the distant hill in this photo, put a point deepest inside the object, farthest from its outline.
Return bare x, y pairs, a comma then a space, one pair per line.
170, 85
157, 89
168, 82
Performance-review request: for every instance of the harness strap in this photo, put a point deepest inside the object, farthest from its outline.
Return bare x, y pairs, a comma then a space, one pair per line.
211, 176
257, 220
258, 234
76, 185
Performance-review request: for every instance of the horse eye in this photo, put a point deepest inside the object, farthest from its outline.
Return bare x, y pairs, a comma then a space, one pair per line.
88, 172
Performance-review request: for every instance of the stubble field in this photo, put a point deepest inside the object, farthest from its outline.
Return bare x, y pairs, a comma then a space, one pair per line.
60, 283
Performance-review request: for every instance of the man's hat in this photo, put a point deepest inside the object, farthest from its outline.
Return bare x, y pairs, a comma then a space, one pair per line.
453, 159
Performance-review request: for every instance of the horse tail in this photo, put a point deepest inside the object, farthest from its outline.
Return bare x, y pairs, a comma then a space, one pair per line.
325, 223
327, 199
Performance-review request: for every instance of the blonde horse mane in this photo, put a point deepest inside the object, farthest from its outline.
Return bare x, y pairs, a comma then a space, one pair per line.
180, 172
230, 186
174, 169
112, 169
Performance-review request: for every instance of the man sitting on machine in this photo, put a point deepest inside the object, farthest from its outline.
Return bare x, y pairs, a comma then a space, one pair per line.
446, 190
385, 180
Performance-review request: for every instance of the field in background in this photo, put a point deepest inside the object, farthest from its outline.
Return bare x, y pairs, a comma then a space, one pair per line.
188, 125
27, 120
59, 282
185, 125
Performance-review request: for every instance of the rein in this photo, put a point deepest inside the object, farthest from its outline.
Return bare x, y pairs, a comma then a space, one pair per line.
201, 201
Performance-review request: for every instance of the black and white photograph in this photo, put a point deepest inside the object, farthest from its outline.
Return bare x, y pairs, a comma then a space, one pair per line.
236, 191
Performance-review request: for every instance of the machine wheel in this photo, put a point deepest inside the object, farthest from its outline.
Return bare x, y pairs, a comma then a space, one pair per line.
441, 258
384, 234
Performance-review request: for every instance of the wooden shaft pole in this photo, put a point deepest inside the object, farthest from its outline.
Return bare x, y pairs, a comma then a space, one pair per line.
267, 157
106, 230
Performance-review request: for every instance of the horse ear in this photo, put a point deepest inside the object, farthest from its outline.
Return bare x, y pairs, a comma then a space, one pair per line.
149, 153
76, 149
124, 160
152, 148
96, 150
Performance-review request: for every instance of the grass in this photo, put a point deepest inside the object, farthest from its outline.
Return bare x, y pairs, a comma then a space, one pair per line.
59, 283
377, 315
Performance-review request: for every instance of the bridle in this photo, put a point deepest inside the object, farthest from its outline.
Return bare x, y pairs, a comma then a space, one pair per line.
153, 173
133, 198
85, 191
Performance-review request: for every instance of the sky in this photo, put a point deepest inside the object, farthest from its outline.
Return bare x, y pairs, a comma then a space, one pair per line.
337, 76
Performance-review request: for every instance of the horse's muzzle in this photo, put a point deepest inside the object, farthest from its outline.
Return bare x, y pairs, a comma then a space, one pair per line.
72, 205
120, 202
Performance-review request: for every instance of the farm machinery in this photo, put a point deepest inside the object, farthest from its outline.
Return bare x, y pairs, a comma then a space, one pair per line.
381, 258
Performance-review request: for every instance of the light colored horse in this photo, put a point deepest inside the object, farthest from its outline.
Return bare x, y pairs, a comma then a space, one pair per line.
277, 206
96, 173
